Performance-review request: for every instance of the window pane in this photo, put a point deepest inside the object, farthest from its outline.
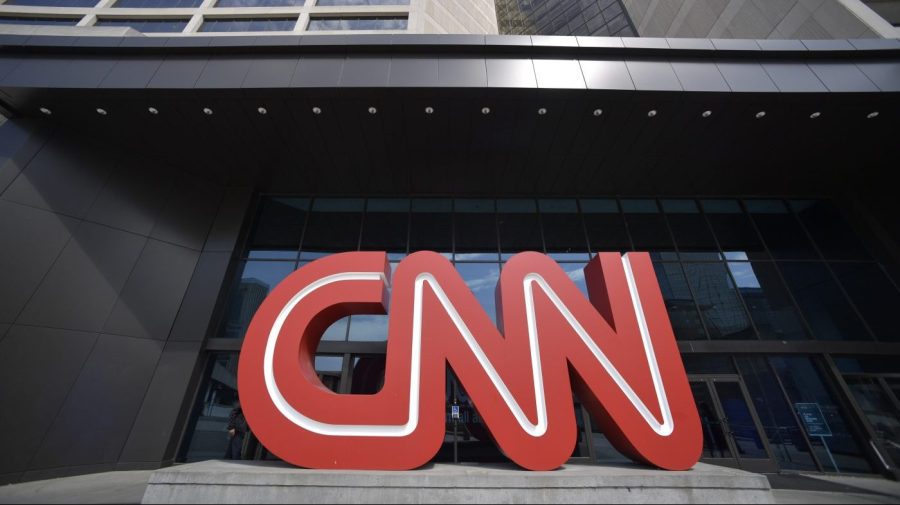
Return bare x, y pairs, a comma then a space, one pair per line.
26, 20
679, 302
820, 299
279, 224
208, 437
517, 221
367, 374
561, 223
333, 226
357, 23
719, 304
431, 226
368, 328
259, 3
775, 414
688, 226
875, 296
157, 3
733, 229
247, 25
768, 300
476, 229
257, 279
147, 25
330, 3
829, 230
780, 230
605, 227
53, 3
804, 383
707, 364
385, 225
881, 411
646, 225
481, 278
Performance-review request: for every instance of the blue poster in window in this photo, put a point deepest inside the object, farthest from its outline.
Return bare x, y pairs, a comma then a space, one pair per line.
454, 411
813, 420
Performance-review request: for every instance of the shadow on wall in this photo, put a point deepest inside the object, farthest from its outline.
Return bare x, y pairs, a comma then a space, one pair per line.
99, 246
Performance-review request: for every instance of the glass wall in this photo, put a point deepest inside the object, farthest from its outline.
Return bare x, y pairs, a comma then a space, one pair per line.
729, 270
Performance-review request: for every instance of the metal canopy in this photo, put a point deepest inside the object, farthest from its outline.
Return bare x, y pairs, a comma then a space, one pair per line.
510, 115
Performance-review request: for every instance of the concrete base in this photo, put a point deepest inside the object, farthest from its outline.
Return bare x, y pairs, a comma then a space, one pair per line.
265, 482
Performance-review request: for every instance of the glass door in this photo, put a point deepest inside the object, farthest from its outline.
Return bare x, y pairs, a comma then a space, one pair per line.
732, 434
877, 398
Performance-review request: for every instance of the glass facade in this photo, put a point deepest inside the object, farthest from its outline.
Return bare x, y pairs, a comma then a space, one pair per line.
248, 24
564, 17
146, 25
357, 23
732, 272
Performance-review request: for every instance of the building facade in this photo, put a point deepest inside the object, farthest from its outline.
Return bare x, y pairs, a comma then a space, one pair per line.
153, 190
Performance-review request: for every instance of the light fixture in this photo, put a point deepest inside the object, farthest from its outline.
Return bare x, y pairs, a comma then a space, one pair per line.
872, 115
101, 111
815, 115
651, 113
316, 111
761, 114
706, 113
153, 110
598, 112
262, 110
542, 111
429, 110
485, 110
46, 111
207, 111
373, 110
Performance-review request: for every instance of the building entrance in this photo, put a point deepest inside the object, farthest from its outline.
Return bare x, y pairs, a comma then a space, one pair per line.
732, 433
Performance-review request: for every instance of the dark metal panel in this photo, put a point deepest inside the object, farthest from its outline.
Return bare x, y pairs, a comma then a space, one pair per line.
225, 230
178, 72
188, 213
793, 77
462, 72
196, 312
645, 42
413, 72
133, 72
365, 71
42, 363
699, 75
34, 72
7, 65
735, 44
653, 75
561, 74
690, 43
510, 73
780, 45
508, 40
84, 72
318, 72
39, 236
133, 196
82, 286
553, 41
438, 40
885, 75
272, 72
842, 77
97, 416
828, 45
224, 72
746, 76
606, 74
875, 44
615, 42
149, 301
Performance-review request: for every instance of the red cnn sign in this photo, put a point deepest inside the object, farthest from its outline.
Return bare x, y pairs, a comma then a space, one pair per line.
616, 351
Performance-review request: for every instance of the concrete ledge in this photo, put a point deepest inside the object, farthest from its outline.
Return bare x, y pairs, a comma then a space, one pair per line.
264, 482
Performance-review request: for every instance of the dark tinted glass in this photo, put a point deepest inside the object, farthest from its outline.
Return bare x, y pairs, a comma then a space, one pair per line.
248, 24
715, 444
385, 225
822, 303
867, 364
780, 229
563, 231
357, 23
874, 294
646, 225
53, 3
767, 300
733, 229
25, 20
476, 229
360, 2
688, 226
208, 434
279, 224
829, 230
775, 413
520, 230
333, 226
679, 302
157, 3
605, 227
259, 3
147, 25
431, 225
804, 382
718, 300
707, 364
367, 374
257, 279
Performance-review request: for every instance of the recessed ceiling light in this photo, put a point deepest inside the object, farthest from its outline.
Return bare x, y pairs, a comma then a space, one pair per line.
542, 111
706, 113
485, 110
207, 111
373, 110
872, 115
153, 110
429, 110
651, 113
101, 111
316, 110
262, 110
815, 115
46, 111
598, 112
761, 114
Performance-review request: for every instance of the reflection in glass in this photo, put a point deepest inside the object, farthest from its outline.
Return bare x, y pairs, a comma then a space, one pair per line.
875, 296
333, 226
733, 229
208, 434
518, 225
714, 443
481, 278
279, 224
718, 301
646, 225
688, 226
385, 225
780, 230
679, 302
881, 408
257, 279
804, 383
768, 301
739, 421
829, 230
328, 368
822, 303
563, 231
368, 328
337, 331
431, 225
475, 228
